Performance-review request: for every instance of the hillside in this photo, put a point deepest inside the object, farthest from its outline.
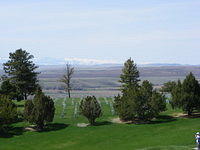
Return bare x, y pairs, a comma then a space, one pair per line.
105, 78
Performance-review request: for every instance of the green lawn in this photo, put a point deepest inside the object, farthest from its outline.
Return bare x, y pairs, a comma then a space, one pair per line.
165, 133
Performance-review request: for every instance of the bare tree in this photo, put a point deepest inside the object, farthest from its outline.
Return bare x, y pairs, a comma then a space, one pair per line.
66, 79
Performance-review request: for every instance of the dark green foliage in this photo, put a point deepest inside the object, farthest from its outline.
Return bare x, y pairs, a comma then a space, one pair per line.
168, 86
8, 111
21, 72
124, 105
138, 102
40, 110
10, 90
176, 94
130, 75
142, 103
186, 95
90, 108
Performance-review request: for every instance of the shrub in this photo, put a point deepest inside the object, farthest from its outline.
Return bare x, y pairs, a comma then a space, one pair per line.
40, 110
90, 108
8, 111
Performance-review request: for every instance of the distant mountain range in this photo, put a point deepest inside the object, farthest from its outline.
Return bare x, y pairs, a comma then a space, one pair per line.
83, 62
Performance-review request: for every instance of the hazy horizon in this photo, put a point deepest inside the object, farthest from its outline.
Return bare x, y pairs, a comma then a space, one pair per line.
104, 31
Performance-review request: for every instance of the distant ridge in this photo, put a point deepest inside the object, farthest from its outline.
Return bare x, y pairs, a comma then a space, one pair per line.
84, 62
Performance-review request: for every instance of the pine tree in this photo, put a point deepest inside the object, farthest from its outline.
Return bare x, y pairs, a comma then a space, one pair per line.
90, 108
21, 72
40, 110
187, 95
177, 94
141, 104
130, 75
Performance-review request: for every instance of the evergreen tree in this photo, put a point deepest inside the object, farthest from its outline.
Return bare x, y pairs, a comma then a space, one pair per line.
21, 72
40, 110
90, 108
124, 104
141, 104
8, 111
187, 95
176, 94
130, 75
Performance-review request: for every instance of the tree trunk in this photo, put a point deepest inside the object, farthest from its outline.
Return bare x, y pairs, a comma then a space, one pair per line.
69, 93
25, 96
189, 112
92, 122
40, 126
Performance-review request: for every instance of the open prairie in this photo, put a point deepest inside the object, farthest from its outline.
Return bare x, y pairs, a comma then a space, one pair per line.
102, 80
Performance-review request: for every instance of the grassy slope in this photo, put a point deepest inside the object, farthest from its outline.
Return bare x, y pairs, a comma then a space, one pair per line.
164, 133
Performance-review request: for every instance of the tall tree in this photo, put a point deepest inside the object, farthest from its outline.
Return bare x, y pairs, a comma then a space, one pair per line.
66, 79
21, 72
130, 75
40, 110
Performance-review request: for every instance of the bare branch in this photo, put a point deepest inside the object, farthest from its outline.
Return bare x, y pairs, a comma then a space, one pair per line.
66, 79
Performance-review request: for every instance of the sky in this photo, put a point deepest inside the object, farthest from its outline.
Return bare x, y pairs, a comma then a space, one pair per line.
148, 31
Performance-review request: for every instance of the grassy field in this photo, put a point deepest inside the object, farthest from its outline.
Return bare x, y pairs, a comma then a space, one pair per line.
164, 133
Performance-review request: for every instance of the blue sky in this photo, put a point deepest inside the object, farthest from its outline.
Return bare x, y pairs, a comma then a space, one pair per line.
149, 31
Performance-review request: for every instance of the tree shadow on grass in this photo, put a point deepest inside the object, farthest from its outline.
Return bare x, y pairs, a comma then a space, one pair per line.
54, 127
11, 131
163, 119
20, 105
103, 123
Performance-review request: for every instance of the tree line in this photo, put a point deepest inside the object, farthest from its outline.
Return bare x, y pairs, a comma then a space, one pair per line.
138, 101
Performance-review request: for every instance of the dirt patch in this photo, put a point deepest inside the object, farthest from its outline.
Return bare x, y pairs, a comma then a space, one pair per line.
178, 115
183, 115
30, 129
117, 120
82, 125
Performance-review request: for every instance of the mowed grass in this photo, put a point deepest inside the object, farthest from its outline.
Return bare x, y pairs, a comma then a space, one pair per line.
165, 133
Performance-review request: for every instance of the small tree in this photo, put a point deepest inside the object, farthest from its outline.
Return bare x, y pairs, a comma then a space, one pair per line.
8, 111
66, 79
90, 108
168, 86
39, 111
21, 72
130, 75
187, 95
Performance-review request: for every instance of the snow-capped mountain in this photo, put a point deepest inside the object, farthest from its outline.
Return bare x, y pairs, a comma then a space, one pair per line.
75, 61
47, 61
